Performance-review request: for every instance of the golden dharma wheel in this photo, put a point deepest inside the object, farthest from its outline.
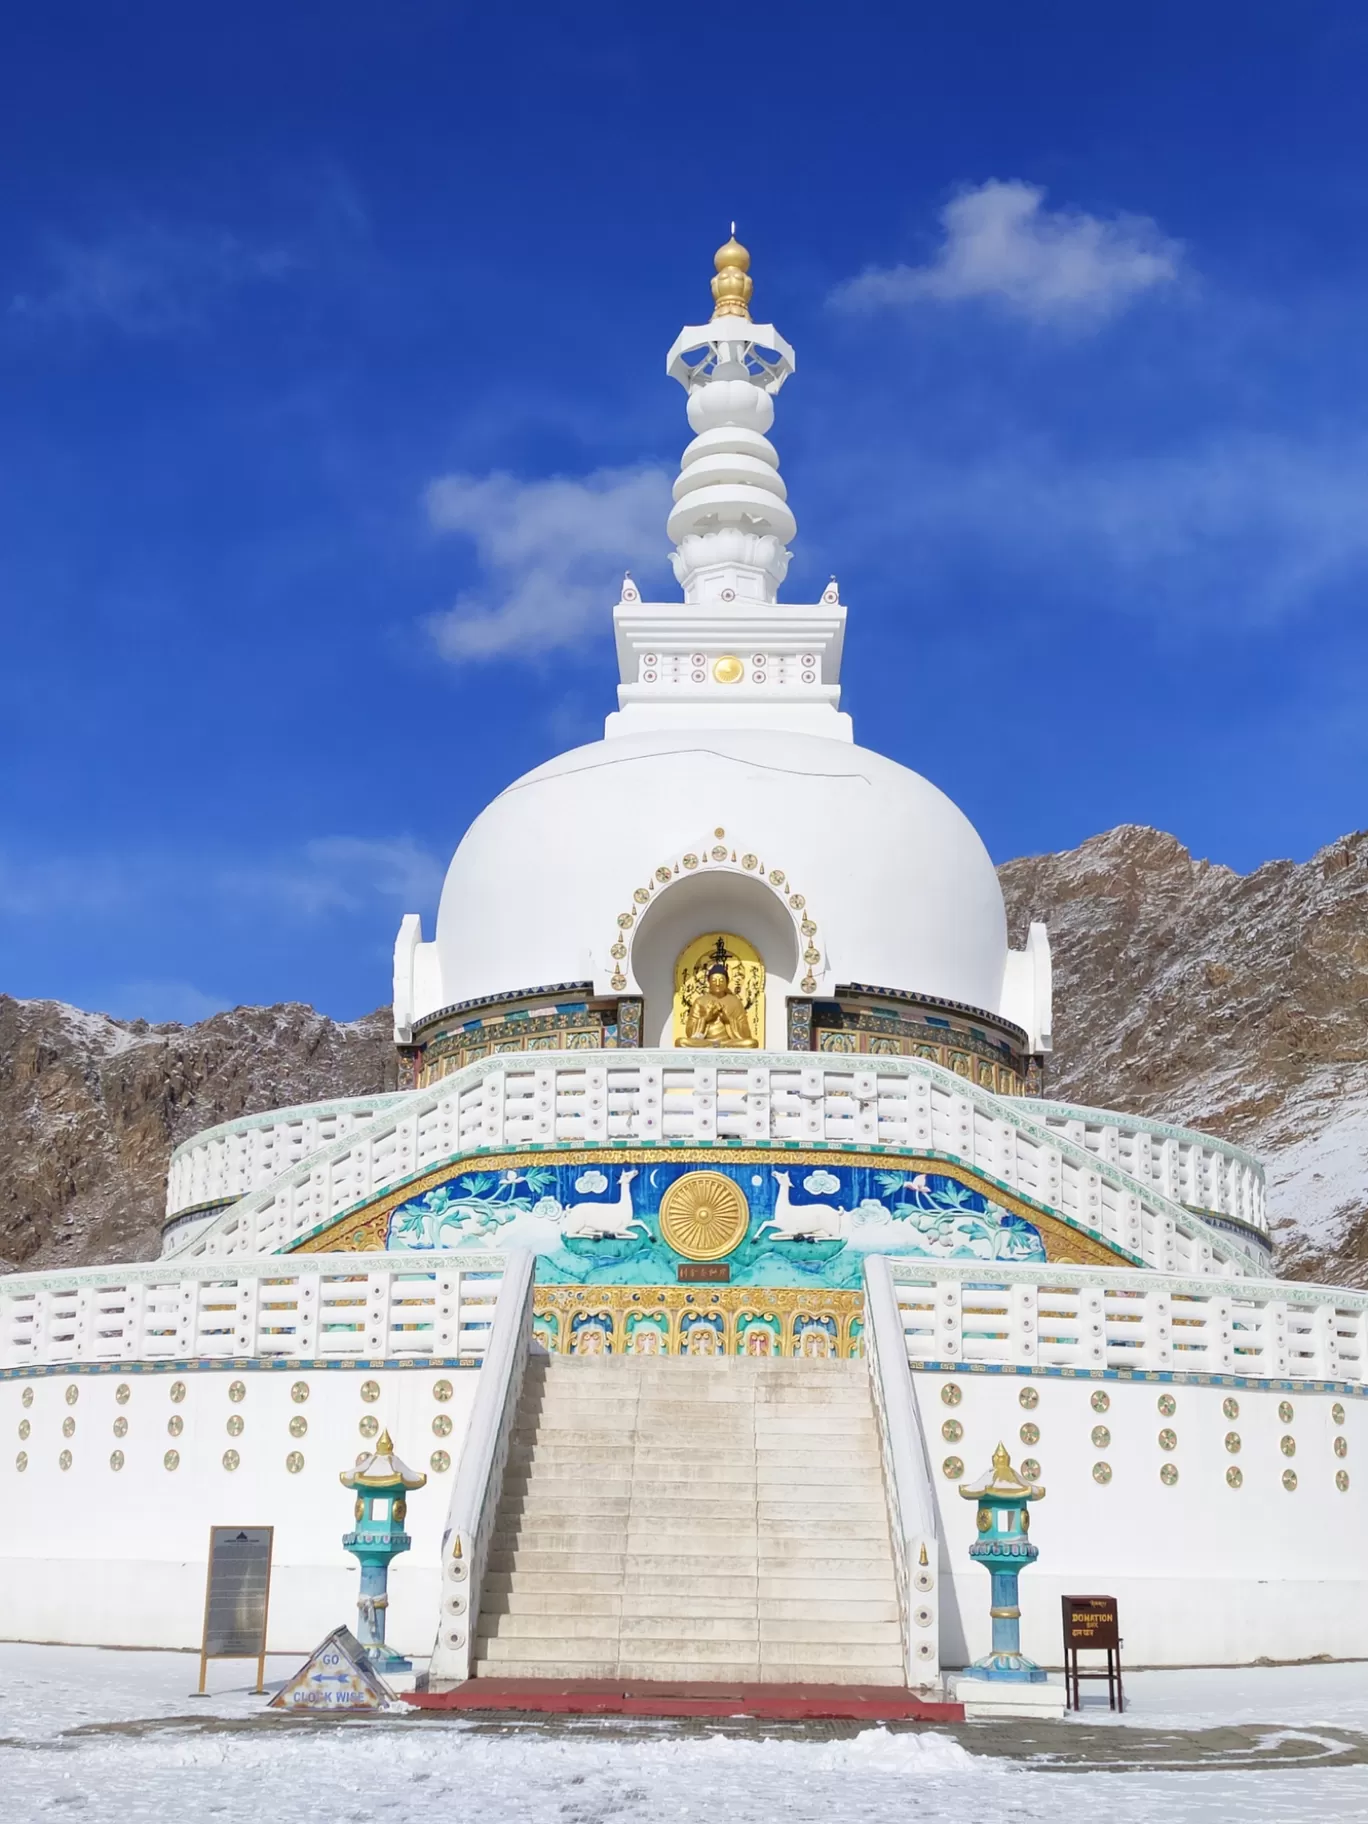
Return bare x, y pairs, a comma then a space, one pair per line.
704, 1215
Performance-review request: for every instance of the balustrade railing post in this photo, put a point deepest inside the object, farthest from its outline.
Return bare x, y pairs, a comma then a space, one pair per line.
378, 1292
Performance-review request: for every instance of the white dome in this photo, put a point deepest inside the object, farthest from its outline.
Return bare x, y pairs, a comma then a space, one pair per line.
894, 877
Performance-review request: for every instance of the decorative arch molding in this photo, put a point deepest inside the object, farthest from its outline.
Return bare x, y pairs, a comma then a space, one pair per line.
719, 854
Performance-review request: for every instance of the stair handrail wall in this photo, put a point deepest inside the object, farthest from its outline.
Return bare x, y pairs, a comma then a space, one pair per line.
1100, 1319
314, 1307
548, 1099
478, 1486
906, 1476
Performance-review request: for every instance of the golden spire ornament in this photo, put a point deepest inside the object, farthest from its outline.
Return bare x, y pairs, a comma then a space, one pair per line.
732, 287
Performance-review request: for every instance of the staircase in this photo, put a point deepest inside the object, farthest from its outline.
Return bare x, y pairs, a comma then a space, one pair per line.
708, 1520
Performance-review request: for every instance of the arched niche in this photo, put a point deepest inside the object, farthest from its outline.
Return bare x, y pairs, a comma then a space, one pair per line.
701, 903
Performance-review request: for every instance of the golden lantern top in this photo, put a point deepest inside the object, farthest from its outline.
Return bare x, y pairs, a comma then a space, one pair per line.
732, 287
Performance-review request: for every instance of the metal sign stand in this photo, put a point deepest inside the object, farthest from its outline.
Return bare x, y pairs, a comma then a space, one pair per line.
237, 1598
1091, 1624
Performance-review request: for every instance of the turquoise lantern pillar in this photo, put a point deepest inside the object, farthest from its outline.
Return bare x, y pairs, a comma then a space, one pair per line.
382, 1485
1004, 1549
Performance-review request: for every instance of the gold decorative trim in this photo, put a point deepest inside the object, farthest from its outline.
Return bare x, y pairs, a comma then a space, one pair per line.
682, 1320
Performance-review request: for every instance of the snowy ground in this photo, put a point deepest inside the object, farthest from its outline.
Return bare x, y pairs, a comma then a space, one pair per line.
93, 1735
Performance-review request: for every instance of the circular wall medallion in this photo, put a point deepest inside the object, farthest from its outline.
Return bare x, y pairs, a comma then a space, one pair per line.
27, 1396
1029, 1433
1102, 1472
441, 1426
1234, 1476
1167, 1405
1285, 1411
439, 1461
68, 1427
1288, 1446
704, 1216
1341, 1447
121, 1427
237, 1390
171, 1460
21, 1461
1337, 1413
1168, 1440
73, 1393
175, 1425
952, 1467
299, 1425
299, 1392
952, 1431
442, 1391
231, 1459
369, 1425
235, 1425
728, 669
1342, 1480
1029, 1397
1030, 1470
1289, 1479
952, 1393
1101, 1437
64, 1461
295, 1462
25, 1428
177, 1391
370, 1392
122, 1392
116, 1459
1100, 1402
1168, 1474
1232, 1442
1231, 1408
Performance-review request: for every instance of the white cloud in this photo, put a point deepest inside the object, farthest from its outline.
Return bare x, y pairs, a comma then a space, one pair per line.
552, 552
341, 874
1244, 529
325, 875
1050, 265
143, 278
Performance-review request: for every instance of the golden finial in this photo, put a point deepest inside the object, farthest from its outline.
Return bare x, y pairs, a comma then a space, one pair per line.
384, 1446
732, 287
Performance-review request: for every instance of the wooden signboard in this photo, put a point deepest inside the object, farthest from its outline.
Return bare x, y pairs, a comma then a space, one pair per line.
1091, 1623
237, 1594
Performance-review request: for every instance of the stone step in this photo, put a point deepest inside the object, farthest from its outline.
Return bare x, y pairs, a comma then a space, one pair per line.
557, 1627
823, 1559
550, 1583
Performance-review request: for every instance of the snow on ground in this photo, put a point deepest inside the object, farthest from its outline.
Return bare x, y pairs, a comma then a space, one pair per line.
116, 1736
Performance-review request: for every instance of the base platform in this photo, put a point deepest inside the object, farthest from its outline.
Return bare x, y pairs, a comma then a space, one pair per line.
635, 1697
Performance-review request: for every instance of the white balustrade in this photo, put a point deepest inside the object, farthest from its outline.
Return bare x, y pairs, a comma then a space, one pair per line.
332, 1306
1101, 1318
241, 1156
1187, 1167
593, 1098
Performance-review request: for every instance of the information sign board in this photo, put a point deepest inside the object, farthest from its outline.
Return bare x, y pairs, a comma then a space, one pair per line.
237, 1594
1091, 1624
336, 1676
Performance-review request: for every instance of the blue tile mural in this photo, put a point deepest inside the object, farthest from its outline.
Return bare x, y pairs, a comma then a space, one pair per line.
809, 1225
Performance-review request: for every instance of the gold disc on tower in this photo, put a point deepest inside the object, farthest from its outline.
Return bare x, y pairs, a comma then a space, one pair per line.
704, 1216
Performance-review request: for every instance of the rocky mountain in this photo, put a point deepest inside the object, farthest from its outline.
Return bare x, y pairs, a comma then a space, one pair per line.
1237, 1003
91, 1108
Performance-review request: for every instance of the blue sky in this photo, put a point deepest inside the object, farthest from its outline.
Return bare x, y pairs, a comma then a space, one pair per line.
332, 407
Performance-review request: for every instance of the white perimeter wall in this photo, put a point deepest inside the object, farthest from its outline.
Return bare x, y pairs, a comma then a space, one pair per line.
1204, 1573
117, 1558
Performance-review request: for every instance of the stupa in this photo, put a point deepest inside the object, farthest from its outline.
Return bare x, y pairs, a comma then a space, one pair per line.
728, 1098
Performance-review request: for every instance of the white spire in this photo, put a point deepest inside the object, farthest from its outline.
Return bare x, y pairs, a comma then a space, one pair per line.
730, 656
731, 521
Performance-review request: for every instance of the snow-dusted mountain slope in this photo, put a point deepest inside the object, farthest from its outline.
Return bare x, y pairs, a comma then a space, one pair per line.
1235, 1002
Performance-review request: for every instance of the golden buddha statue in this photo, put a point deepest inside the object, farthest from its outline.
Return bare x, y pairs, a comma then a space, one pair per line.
710, 1013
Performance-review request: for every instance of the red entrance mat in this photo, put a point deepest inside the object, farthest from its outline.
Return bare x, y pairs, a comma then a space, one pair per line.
637, 1697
